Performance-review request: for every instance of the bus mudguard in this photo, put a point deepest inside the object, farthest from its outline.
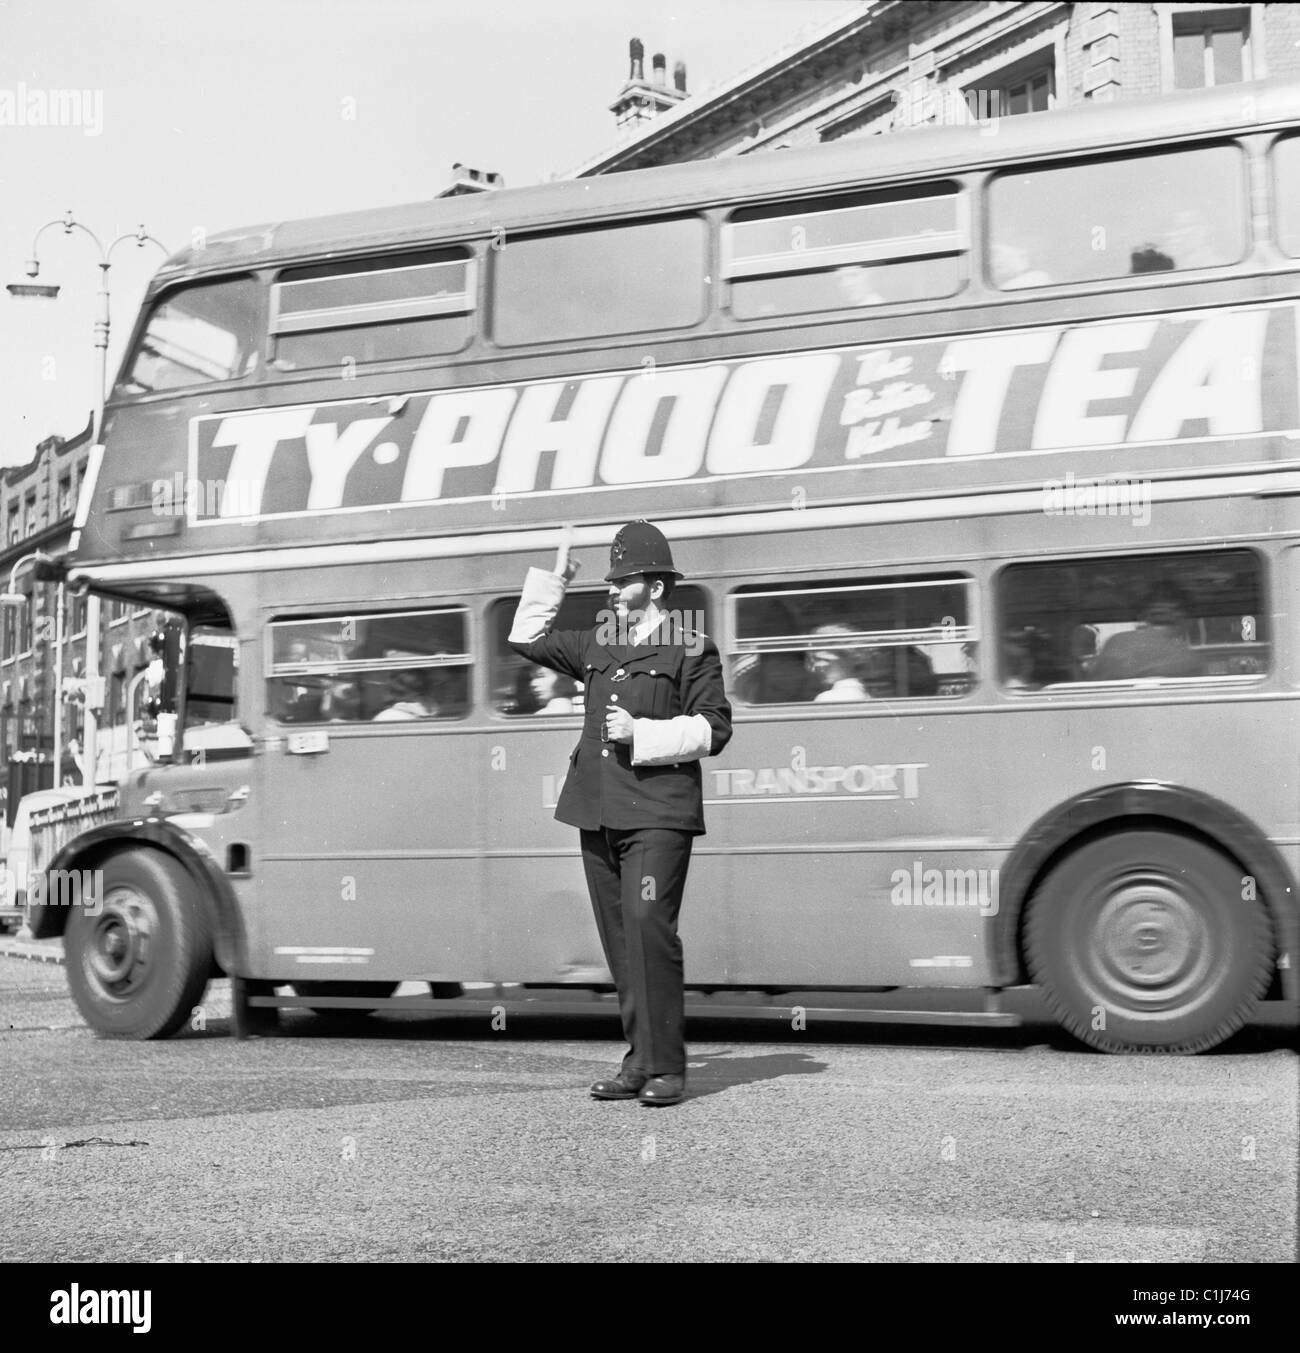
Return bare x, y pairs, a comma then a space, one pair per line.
213, 888
1149, 803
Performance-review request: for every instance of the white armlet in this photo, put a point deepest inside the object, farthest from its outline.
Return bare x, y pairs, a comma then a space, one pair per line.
660, 742
541, 599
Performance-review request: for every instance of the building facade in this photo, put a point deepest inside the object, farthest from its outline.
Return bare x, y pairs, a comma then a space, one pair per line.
37, 504
897, 64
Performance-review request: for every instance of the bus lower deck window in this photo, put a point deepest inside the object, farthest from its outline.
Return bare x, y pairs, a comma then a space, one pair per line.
1133, 619
844, 643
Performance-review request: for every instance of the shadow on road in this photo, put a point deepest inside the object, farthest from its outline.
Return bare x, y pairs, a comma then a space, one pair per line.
710, 1073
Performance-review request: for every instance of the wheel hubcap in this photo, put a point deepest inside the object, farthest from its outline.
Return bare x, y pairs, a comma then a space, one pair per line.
1151, 940
117, 958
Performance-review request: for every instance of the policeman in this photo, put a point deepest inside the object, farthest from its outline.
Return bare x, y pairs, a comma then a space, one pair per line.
655, 705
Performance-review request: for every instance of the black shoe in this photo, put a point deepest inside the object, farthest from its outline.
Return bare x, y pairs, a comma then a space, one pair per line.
661, 1090
623, 1086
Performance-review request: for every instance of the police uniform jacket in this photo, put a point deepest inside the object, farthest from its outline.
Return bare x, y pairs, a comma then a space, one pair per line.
672, 687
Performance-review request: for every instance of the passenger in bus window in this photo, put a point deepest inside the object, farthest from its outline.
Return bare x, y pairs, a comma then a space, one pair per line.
1148, 258
1157, 648
553, 691
411, 692
771, 678
1017, 662
302, 697
890, 674
838, 669
1012, 268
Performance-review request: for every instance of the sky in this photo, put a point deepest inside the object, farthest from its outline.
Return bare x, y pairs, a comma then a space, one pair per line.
193, 116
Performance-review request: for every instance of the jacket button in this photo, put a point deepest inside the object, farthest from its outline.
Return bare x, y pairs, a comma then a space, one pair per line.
614, 698
604, 751
652, 671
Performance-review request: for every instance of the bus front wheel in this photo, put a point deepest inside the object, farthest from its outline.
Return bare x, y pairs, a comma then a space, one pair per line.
1144, 942
138, 955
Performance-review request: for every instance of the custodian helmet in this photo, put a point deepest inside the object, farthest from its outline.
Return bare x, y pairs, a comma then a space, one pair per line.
640, 548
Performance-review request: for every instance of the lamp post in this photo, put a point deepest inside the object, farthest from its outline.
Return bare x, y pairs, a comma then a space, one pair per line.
90, 740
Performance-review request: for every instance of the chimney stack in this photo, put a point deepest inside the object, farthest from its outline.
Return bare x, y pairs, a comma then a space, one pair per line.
640, 99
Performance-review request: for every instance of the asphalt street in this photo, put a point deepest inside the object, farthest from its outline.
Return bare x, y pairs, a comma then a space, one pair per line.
421, 1137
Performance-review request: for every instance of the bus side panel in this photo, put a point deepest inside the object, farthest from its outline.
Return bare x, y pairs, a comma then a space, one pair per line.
858, 847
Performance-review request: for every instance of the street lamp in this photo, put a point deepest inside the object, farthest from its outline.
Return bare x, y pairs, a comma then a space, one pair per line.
90, 740
11, 599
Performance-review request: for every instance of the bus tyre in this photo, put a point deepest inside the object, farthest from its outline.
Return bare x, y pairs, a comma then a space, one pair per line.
1143, 942
138, 966
378, 990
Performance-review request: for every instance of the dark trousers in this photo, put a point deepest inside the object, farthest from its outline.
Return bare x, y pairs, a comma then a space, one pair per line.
636, 879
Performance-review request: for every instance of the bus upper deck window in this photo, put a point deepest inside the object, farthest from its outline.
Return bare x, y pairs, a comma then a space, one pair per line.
1286, 193
611, 280
196, 335
845, 253
1168, 212
372, 310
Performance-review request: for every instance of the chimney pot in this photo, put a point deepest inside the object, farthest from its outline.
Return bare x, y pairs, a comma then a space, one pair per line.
636, 54
660, 66
679, 75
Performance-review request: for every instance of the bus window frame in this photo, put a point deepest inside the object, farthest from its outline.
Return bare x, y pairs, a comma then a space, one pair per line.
988, 177
254, 372
1272, 176
701, 213
368, 666
349, 317
883, 253
1128, 686
971, 632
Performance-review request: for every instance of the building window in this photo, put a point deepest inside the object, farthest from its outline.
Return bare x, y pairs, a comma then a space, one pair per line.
875, 118
65, 496
1211, 47
29, 526
1028, 86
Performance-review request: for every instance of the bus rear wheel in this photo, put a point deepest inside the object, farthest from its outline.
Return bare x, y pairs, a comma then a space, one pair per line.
377, 990
1142, 942
138, 962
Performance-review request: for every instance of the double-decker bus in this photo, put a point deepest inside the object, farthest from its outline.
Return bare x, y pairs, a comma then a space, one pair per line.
977, 446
